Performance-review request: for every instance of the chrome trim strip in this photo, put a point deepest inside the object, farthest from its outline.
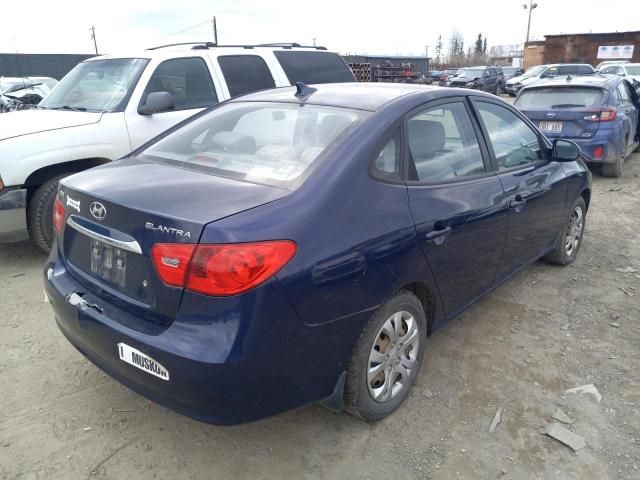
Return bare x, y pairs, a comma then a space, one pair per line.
131, 246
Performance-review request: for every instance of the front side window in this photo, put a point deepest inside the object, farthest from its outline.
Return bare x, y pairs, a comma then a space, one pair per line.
96, 86
269, 143
187, 80
443, 145
514, 143
245, 74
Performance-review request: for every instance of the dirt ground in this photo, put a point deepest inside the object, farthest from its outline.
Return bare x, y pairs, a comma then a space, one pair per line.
546, 330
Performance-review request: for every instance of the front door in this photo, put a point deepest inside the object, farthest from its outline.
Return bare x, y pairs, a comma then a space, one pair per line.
457, 203
535, 186
188, 80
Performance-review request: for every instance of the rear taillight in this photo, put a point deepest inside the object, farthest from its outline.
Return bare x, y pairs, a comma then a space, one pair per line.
58, 215
221, 270
235, 268
601, 116
172, 261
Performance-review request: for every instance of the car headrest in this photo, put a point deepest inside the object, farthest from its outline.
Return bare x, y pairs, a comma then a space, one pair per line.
426, 137
234, 142
331, 126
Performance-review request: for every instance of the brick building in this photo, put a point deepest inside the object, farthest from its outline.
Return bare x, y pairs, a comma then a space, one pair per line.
578, 48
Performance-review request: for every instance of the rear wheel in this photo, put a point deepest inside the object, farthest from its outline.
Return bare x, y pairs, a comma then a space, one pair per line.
615, 169
387, 358
570, 239
40, 213
498, 89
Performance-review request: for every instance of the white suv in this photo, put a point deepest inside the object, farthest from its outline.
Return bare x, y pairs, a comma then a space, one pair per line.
108, 106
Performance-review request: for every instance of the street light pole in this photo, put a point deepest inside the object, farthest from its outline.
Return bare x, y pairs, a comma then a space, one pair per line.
531, 7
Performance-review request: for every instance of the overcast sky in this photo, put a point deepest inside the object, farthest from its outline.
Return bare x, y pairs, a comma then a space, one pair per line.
391, 27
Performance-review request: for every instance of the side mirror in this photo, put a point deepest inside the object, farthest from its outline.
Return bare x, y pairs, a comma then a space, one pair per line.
157, 102
565, 151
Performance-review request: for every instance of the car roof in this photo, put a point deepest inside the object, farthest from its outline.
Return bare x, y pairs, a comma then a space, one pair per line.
358, 96
602, 80
196, 48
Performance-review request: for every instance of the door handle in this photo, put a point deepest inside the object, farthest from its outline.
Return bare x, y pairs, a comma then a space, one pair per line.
438, 236
517, 202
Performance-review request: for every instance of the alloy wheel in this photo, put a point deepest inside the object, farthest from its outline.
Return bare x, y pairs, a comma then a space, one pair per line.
574, 231
393, 356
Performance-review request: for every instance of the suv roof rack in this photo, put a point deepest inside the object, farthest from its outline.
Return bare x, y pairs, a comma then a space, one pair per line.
207, 45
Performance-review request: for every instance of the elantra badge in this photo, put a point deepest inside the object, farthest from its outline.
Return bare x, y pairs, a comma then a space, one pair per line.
98, 210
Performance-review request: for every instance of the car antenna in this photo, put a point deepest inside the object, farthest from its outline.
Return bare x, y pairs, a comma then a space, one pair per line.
303, 90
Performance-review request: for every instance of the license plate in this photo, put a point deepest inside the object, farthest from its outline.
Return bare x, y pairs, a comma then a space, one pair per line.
551, 127
108, 263
144, 362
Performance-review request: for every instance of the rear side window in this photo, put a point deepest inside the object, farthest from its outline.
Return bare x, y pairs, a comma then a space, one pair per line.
187, 80
443, 145
623, 93
245, 73
560, 97
313, 67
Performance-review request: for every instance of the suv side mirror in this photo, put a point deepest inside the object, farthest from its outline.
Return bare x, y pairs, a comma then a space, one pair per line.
565, 151
157, 102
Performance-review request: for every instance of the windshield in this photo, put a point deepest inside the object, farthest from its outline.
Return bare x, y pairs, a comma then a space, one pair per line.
633, 69
269, 143
534, 71
471, 73
560, 97
96, 86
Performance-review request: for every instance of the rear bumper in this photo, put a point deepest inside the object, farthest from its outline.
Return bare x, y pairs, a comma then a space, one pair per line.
13, 215
230, 360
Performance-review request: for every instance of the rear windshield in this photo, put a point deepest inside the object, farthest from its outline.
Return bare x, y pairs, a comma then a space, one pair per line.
269, 143
560, 97
314, 67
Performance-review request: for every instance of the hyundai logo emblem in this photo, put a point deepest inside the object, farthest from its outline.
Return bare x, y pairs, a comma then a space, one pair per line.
97, 210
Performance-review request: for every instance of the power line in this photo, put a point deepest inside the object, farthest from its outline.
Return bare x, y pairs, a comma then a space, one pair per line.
187, 29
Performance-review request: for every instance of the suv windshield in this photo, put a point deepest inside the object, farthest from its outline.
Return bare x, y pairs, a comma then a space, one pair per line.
560, 97
96, 86
269, 143
472, 73
535, 71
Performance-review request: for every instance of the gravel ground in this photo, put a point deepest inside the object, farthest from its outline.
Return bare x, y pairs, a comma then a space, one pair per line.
546, 330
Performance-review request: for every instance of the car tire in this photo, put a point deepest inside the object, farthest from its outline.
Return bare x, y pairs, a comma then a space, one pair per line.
614, 169
570, 238
394, 338
40, 213
498, 90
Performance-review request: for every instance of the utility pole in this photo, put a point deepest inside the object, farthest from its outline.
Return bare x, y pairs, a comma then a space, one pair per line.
215, 31
530, 7
93, 37
314, 41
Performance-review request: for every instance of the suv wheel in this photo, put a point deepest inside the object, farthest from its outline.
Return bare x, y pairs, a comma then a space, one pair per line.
387, 358
498, 89
40, 213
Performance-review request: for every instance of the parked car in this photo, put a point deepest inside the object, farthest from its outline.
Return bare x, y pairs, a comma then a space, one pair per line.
488, 79
448, 74
598, 112
275, 256
435, 75
606, 63
108, 106
511, 72
17, 93
534, 74
629, 70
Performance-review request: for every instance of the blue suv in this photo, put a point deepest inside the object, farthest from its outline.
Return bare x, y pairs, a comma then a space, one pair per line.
598, 112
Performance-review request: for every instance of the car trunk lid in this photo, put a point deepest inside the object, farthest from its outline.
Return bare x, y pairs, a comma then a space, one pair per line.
117, 212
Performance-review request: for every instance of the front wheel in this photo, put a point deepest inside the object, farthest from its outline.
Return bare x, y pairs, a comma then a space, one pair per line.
570, 239
40, 213
387, 358
498, 90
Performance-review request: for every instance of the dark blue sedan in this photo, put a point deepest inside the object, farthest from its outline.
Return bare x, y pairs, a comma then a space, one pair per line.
598, 112
301, 244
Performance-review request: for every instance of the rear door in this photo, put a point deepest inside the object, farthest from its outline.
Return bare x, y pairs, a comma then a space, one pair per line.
457, 203
535, 187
